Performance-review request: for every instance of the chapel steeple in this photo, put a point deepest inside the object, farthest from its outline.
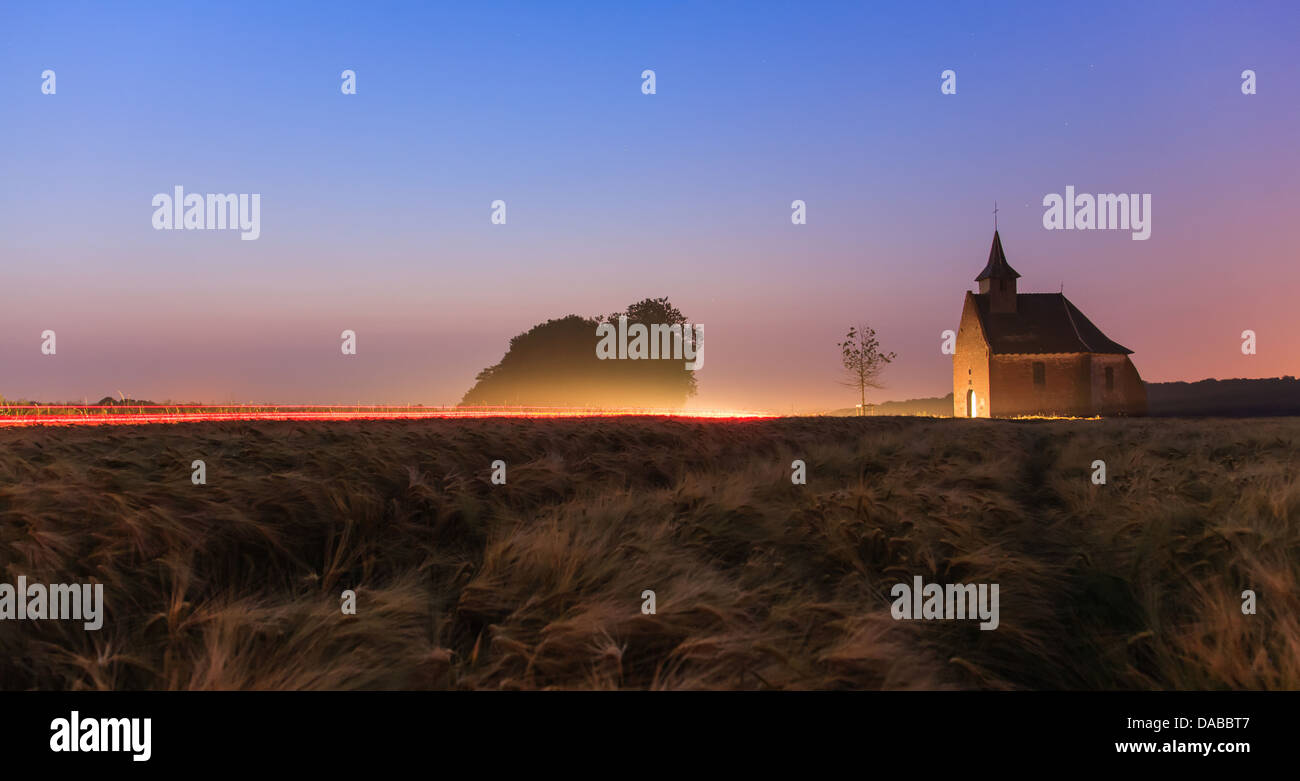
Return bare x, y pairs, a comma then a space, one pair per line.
998, 279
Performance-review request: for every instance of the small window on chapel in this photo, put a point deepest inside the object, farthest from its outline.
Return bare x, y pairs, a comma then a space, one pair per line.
1040, 373
1110, 378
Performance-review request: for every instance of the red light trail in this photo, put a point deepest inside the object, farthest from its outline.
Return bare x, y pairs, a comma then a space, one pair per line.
106, 414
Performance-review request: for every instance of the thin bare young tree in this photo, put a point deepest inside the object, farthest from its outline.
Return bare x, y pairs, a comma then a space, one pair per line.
863, 361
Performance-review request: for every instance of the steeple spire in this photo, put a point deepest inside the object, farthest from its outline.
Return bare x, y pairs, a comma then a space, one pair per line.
997, 267
998, 279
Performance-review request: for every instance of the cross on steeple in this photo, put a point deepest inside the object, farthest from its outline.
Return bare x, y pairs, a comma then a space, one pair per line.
995, 216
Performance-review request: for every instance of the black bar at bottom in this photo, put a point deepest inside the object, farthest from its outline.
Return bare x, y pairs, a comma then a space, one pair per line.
332, 730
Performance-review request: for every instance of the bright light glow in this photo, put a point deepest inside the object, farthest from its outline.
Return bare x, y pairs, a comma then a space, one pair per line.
94, 414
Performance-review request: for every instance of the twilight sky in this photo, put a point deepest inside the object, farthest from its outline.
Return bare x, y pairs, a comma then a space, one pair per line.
375, 207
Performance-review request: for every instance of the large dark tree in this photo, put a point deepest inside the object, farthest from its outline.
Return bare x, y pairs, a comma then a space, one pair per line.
555, 363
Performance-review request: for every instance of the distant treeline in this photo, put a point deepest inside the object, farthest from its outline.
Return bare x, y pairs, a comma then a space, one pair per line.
1225, 398
1206, 398
938, 406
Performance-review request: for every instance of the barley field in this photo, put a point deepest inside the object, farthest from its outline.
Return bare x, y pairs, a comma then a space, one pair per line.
759, 583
